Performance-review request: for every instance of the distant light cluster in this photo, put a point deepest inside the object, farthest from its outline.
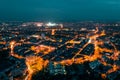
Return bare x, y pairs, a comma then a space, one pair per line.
51, 24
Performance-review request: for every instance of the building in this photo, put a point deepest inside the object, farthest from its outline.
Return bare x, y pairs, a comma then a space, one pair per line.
55, 69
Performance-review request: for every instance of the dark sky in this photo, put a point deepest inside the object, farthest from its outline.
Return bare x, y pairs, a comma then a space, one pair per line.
66, 10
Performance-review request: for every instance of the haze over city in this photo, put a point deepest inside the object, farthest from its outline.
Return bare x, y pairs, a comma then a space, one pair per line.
59, 10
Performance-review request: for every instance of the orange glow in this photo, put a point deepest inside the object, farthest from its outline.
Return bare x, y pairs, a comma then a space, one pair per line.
103, 76
114, 68
97, 30
35, 64
42, 49
103, 33
53, 32
12, 45
17, 56
97, 54
3, 42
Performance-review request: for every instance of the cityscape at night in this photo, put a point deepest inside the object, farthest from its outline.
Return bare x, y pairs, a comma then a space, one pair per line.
60, 40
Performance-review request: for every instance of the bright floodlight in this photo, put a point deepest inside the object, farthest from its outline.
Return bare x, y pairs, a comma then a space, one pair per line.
51, 24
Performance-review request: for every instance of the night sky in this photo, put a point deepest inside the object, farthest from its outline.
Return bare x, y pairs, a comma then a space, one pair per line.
56, 10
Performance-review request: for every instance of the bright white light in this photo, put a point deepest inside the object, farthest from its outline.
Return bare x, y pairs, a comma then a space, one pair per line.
51, 24
36, 36
89, 41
